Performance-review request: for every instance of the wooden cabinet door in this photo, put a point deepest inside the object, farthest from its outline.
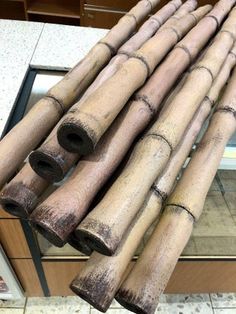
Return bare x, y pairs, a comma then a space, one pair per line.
101, 18
125, 5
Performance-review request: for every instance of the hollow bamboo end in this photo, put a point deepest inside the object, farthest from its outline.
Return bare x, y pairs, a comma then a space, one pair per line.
18, 200
79, 245
131, 303
76, 138
56, 229
95, 241
47, 166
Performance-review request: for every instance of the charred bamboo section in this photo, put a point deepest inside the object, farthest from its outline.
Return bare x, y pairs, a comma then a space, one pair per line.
20, 196
82, 129
47, 112
51, 161
142, 288
107, 223
71, 202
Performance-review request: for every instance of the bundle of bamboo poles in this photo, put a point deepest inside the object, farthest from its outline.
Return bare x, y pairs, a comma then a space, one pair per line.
133, 106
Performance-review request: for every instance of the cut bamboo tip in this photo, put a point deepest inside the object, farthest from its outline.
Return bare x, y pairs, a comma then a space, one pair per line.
79, 245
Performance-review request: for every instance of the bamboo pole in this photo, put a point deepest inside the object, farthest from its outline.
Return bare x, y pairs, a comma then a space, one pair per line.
51, 161
101, 277
107, 223
80, 245
142, 288
82, 129
93, 171
47, 112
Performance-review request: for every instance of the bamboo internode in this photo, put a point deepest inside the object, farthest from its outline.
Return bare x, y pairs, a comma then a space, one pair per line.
82, 129
47, 112
141, 290
107, 223
93, 171
51, 161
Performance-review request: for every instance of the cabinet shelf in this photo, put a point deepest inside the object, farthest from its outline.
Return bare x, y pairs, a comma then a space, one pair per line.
69, 9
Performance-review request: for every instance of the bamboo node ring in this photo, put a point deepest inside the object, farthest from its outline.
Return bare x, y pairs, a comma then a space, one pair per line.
144, 61
156, 20
159, 193
122, 52
185, 49
147, 102
232, 53
228, 32
150, 3
176, 8
215, 19
175, 31
227, 109
163, 138
61, 106
198, 67
212, 102
134, 17
196, 20
184, 208
112, 49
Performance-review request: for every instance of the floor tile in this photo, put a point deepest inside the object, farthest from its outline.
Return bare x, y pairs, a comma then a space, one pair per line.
12, 303
185, 308
223, 300
112, 311
184, 304
63, 305
11, 311
224, 311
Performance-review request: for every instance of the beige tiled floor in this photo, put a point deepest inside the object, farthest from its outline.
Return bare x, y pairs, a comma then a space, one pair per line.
169, 304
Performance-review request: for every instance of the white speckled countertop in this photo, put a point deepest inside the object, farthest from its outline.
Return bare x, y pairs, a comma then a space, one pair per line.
37, 45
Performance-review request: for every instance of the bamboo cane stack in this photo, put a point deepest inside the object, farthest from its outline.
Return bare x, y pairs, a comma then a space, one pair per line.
105, 226
82, 129
51, 161
183, 209
46, 156
94, 170
46, 113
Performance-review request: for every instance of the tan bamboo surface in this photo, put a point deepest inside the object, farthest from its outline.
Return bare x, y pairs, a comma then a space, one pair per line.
82, 129
107, 223
102, 275
141, 290
50, 160
93, 171
47, 112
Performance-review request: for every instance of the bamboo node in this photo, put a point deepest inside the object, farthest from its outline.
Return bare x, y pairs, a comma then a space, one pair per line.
122, 52
212, 102
183, 208
215, 19
199, 67
227, 109
156, 20
134, 17
196, 20
150, 3
176, 7
159, 193
228, 32
112, 49
159, 136
175, 31
185, 49
232, 53
61, 106
144, 61
146, 101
